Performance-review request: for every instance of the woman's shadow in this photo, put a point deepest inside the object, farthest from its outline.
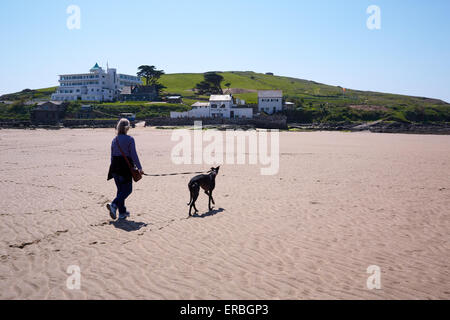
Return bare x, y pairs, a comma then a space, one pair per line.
131, 226
128, 225
209, 214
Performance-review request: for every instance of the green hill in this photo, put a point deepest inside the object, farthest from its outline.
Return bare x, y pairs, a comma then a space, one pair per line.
314, 101
29, 94
182, 83
317, 102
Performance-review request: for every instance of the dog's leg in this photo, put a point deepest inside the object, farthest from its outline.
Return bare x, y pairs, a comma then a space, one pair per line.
190, 206
194, 196
194, 199
212, 199
209, 201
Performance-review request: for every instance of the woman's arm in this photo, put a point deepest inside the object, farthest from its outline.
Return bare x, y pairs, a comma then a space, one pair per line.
134, 155
112, 143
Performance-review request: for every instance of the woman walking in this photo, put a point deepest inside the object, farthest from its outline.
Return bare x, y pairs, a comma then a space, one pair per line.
122, 146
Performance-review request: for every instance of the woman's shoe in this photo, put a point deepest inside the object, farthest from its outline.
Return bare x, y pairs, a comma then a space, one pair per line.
123, 216
112, 210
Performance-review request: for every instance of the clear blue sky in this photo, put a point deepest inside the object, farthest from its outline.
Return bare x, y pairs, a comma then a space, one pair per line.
324, 41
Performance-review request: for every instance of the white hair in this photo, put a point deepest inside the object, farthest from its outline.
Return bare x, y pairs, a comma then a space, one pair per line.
123, 126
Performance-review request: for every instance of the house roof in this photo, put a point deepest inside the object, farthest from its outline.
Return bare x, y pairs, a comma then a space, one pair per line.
48, 106
96, 66
270, 94
174, 97
225, 97
200, 104
58, 103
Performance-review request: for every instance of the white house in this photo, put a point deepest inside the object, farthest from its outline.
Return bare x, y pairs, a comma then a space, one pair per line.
270, 101
97, 85
199, 110
219, 106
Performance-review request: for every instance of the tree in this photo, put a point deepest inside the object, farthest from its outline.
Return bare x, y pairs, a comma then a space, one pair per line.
150, 74
203, 88
211, 84
228, 85
159, 87
215, 80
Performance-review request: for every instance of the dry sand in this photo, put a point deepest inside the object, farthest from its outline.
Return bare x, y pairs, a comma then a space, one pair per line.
341, 202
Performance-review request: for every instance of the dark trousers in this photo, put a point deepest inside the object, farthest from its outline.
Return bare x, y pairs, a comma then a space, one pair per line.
124, 189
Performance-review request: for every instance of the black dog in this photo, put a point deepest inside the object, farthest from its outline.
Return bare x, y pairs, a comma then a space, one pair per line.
205, 181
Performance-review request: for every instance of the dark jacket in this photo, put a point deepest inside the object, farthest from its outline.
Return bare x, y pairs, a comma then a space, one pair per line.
120, 167
118, 164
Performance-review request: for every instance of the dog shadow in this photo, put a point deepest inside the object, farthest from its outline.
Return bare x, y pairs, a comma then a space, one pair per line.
128, 225
209, 214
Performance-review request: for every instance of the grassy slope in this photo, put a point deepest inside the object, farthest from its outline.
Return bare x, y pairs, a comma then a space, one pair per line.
320, 102
313, 96
182, 83
27, 94
295, 88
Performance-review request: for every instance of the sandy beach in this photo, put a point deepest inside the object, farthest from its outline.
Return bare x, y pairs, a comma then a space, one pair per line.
340, 203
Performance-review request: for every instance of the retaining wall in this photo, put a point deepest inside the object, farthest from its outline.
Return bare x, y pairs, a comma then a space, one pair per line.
269, 122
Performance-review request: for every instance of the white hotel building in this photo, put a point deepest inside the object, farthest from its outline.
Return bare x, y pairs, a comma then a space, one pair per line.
97, 85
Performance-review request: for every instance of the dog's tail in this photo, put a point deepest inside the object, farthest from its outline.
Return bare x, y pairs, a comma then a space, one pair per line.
190, 201
191, 185
192, 198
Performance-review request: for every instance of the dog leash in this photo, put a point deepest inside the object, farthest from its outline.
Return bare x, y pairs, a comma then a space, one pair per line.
172, 174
